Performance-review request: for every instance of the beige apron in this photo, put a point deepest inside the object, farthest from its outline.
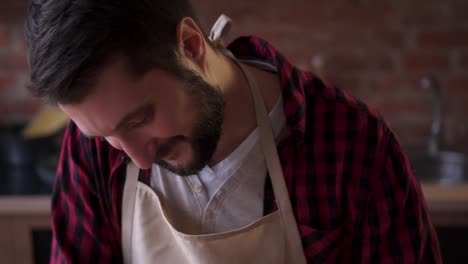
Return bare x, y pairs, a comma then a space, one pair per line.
149, 237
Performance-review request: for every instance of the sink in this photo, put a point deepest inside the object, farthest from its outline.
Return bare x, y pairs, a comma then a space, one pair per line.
435, 164
444, 168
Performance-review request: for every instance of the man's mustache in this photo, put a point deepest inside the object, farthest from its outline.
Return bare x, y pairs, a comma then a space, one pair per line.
165, 149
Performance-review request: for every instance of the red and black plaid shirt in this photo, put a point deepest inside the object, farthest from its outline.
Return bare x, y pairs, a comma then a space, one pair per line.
352, 189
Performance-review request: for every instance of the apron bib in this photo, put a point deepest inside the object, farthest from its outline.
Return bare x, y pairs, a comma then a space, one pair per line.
149, 237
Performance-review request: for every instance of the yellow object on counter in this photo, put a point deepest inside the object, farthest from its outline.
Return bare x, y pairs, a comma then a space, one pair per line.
46, 123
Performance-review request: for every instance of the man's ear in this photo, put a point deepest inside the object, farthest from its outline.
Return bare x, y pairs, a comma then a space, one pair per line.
191, 43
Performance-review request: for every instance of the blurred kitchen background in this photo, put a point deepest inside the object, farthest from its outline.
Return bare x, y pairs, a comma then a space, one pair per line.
379, 51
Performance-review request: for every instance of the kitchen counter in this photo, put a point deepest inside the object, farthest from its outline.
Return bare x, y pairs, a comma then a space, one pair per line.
448, 205
443, 198
25, 205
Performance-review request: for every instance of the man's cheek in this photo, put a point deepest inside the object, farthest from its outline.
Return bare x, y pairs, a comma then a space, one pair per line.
165, 127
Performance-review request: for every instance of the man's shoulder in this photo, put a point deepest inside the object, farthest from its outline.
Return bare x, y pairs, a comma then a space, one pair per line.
303, 91
343, 117
341, 101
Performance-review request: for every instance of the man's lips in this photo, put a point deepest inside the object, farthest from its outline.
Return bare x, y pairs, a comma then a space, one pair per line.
172, 155
168, 148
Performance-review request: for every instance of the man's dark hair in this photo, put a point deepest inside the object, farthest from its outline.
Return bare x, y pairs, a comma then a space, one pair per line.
71, 41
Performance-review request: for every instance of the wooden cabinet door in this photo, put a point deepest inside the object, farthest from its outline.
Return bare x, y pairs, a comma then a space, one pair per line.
6, 240
23, 242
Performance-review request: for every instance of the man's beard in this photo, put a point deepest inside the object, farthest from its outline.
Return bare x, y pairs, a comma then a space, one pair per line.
206, 131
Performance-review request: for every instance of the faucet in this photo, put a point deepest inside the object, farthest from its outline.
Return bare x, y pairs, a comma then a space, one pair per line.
430, 82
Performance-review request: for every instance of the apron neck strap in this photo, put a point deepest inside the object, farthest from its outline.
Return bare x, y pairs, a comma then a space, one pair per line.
220, 29
128, 204
268, 144
275, 170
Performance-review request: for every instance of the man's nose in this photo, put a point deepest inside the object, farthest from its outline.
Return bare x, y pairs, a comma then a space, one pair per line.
142, 156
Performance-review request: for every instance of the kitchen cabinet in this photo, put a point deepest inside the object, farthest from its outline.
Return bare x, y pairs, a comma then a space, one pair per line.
448, 206
20, 219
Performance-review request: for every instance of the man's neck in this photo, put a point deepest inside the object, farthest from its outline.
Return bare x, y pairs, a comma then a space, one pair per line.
239, 113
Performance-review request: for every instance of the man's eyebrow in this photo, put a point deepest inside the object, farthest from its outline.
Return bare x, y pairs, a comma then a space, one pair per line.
129, 116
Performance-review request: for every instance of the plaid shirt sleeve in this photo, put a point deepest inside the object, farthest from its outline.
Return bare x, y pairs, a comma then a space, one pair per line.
352, 188
85, 225
396, 226
356, 197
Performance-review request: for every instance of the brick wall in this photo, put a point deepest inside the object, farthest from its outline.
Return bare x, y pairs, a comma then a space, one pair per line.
15, 103
376, 50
